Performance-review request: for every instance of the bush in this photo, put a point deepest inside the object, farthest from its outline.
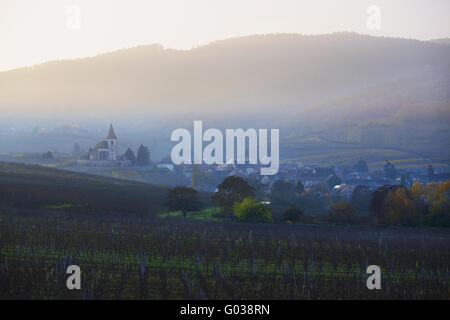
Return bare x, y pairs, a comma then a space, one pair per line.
343, 212
250, 210
439, 216
293, 214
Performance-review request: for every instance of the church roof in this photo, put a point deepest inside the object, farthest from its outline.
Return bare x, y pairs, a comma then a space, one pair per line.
101, 145
111, 134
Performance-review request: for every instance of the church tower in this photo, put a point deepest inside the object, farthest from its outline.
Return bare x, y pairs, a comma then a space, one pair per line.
111, 139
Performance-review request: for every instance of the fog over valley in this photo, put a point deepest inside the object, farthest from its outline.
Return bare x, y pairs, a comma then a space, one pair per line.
303, 85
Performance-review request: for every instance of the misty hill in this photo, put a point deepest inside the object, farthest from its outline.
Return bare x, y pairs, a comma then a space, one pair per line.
342, 92
441, 41
42, 188
283, 72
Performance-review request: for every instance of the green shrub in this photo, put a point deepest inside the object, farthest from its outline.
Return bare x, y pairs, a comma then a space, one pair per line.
250, 210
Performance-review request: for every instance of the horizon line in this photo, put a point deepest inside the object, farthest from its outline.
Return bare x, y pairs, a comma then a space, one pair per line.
210, 43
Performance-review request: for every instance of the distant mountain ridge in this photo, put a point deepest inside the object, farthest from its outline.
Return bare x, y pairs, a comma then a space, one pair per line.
441, 41
278, 75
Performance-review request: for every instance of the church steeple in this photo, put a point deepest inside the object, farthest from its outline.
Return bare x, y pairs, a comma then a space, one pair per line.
111, 141
111, 134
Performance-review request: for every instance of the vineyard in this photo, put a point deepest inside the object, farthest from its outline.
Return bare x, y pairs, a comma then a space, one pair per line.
138, 258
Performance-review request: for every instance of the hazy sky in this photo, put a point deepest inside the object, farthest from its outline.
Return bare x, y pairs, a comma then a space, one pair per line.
33, 31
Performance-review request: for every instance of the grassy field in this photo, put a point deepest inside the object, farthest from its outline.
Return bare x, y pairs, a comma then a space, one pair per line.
209, 214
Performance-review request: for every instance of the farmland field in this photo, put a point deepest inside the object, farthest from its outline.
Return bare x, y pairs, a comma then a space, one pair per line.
409, 147
38, 187
172, 258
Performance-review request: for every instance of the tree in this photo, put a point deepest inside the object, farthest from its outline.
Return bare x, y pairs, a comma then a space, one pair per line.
47, 155
393, 204
403, 181
389, 170
416, 191
129, 155
360, 197
319, 187
299, 188
316, 198
399, 208
361, 166
282, 192
378, 196
437, 195
260, 189
250, 210
232, 189
343, 212
431, 172
76, 148
195, 176
439, 216
143, 156
292, 214
182, 199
